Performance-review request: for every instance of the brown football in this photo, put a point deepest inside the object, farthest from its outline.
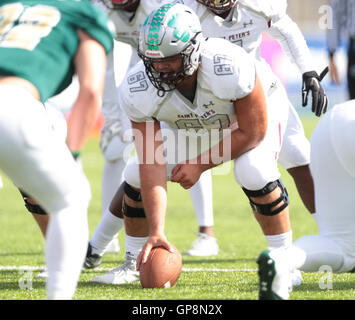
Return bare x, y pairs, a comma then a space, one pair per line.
162, 268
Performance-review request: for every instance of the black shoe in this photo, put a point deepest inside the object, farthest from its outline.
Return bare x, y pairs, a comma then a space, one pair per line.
92, 260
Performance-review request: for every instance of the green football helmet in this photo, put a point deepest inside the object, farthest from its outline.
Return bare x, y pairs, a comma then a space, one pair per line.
169, 31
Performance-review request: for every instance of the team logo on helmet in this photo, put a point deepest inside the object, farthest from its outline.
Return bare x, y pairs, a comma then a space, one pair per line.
173, 29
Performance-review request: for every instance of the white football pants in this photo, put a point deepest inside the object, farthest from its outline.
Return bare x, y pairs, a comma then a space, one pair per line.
39, 162
333, 171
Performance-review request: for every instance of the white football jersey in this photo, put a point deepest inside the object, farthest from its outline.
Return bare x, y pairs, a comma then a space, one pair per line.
128, 25
246, 23
227, 73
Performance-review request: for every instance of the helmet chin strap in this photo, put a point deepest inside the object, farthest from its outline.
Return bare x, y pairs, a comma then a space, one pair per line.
222, 12
217, 8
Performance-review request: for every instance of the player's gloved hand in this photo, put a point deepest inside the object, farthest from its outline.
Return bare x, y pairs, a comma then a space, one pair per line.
311, 82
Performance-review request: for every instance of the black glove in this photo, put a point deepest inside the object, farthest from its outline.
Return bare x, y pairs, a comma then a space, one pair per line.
311, 81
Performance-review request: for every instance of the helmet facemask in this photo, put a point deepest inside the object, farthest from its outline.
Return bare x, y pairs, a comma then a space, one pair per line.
165, 82
164, 37
218, 6
119, 4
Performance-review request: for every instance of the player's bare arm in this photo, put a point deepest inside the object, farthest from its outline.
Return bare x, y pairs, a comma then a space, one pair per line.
88, 102
153, 184
252, 125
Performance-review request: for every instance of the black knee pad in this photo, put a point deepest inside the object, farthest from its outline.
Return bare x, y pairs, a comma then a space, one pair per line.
33, 208
265, 209
129, 211
131, 193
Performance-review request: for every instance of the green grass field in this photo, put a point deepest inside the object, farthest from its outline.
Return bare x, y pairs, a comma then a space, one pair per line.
229, 276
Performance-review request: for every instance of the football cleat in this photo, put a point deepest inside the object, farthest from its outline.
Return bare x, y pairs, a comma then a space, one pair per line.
125, 273
92, 260
113, 247
203, 246
274, 277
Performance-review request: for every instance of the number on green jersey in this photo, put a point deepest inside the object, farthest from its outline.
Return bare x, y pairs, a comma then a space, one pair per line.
23, 27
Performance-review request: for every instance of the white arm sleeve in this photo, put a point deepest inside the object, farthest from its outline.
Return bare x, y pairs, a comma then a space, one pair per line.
271, 10
293, 42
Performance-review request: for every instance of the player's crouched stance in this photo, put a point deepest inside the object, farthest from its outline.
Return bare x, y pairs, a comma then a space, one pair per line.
190, 82
333, 170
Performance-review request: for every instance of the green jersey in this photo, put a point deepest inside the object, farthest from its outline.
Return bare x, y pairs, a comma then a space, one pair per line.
39, 39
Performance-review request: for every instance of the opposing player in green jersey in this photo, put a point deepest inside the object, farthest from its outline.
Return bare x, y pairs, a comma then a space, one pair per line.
43, 44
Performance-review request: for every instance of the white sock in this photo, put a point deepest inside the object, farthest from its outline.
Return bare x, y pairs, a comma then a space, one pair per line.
201, 196
66, 244
296, 257
280, 240
107, 229
134, 245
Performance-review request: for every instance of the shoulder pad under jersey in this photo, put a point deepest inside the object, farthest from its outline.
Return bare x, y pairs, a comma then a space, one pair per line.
226, 70
137, 96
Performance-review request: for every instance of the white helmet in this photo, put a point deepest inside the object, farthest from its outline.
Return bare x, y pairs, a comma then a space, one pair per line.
218, 5
173, 29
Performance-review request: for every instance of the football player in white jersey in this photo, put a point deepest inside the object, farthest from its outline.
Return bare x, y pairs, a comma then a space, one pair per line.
242, 22
333, 170
191, 87
128, 16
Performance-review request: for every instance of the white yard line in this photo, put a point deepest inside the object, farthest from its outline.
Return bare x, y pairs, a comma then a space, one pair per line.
39, 268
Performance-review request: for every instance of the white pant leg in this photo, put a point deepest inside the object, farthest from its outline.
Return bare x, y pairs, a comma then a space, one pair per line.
39, 163
334, 186
295, 150
201, 196
320, 252
112, 177
257, 167
131, 172
116, 147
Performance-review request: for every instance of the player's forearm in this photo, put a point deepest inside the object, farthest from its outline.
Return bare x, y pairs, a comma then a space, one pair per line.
251, 112
231, 147
154, 196
82, 120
